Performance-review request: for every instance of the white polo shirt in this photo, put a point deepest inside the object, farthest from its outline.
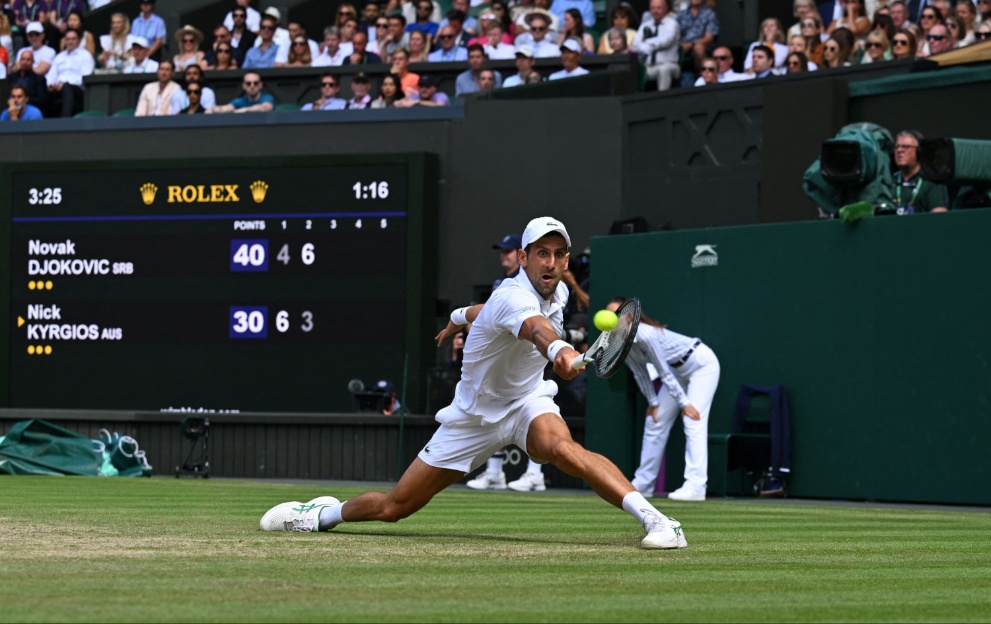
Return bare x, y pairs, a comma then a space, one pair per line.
499, 368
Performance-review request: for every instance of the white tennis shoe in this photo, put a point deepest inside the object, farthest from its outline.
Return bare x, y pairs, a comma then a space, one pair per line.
297, 516
687, 493
488, 481
663, 533
529, 482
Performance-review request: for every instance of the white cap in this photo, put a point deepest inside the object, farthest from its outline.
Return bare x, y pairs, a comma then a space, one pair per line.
571, 44
525, 50
541, 227
139, 41
35, 27
273, 12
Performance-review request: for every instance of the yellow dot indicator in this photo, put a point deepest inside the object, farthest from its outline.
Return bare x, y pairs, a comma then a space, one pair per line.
48, 285
39, 349
31, 285
30, 349
48, 349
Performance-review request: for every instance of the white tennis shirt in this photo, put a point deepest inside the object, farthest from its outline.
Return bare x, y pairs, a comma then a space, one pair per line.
498, 367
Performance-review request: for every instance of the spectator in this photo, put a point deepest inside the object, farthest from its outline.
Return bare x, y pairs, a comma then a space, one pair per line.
249, 17
575, 29
189, 39
539, 25
299, 53
281, 35
370, 14
928, 18
18, 108
381, 28
208, 99
331, 54
585, 8
254, 100
469, 25
984, 9
762, 62
939, 40
623, 19
772, 36
955, 26
194, 95
710, 73
571, 56
361, 56
345, 12
221, 37
495, 47
296, 32
156, 97
400, 69
800, 9
877, 47
884, 23
899, 14
427, 94
419, 47
35, 85
812, 33
486, 80
904, 45
485, 20
58, 18
913, 193
944, 7
226, 57
467, 81
448, 51
797, 63
846, 37
657, 43
6, 40
139, 63
75, 20
616, 41
263, 54
390, 93
698, 28
967, 12
396, 36
424, 8
348, 31
330, 88
116, 45
65, 80
724, 61
854, 19
43, 55
242, 37
28, 11
835, 53
150, 26
360, 86
524, 67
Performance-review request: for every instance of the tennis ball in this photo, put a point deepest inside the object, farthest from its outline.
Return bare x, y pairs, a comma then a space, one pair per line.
605, 320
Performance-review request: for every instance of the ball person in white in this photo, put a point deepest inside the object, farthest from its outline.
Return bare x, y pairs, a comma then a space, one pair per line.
501, 399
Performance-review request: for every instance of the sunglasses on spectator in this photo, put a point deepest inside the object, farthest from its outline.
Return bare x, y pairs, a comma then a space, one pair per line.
952, 25
708, 69
903, 146
252, 83
874, 44
982, 35
239, 14
188, 40
445, 36
223, 50
348, 13
538, 28
263, 27
328, 84
34, 34
193, 91
299, 43
794, 64
831, 48
935, 37
927, 16
901, 42
809, 24
382, 25
426, 7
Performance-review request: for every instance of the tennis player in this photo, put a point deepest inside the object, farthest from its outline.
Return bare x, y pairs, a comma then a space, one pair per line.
502, 399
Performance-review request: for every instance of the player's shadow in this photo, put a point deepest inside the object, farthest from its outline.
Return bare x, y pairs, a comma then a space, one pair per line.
474, 536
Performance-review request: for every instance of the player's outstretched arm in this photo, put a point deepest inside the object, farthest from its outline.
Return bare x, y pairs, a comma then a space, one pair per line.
540, 332
470, 314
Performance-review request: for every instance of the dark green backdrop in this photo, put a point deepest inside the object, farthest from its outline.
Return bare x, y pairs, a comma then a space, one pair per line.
879, 332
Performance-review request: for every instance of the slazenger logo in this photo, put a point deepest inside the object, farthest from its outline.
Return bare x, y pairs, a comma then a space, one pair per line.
705, 255
526, 309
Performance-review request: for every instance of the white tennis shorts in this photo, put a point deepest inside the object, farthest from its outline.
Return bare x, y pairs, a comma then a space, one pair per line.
464, 442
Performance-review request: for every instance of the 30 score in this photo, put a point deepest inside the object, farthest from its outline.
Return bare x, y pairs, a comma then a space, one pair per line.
372, 190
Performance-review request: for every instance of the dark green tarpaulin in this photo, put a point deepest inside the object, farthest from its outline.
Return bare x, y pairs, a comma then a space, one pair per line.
921, 80
37, 447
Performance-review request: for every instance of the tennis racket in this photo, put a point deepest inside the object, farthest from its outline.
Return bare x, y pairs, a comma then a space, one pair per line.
609, 350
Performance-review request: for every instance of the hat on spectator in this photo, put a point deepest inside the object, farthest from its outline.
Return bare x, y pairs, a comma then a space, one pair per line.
385, 386
525, 51
509, 242
541, 227
274, 12
538, 12
189, 30
138, 41
361, 77
426, 81
571, 45
35, 27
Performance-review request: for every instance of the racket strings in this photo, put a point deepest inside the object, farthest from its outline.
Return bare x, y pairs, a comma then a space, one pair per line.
612, 355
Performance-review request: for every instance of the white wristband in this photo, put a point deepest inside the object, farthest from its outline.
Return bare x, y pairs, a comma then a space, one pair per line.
458, 317
555, 347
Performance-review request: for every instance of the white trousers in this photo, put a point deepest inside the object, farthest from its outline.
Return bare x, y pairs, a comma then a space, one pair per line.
699, 376
664, 73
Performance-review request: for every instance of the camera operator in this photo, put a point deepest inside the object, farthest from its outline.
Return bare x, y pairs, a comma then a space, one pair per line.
912, 193
390, 404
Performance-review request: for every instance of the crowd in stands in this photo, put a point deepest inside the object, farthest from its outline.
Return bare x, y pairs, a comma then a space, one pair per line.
676, 48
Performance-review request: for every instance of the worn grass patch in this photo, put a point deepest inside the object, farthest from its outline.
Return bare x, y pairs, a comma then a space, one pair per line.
88, 549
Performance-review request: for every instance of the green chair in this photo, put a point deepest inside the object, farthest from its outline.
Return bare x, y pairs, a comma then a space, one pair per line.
287, 107
89, 113
125, 112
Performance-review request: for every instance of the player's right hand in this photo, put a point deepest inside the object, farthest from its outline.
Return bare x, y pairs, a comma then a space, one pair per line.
562, 363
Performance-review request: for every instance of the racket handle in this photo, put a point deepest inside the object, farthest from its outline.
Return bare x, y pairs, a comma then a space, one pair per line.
579, 363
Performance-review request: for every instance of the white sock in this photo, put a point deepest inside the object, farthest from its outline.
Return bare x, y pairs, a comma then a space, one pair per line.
330, 517
495, 464
533, 467
637, 506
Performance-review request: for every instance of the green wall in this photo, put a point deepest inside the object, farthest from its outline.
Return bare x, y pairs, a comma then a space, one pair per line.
879, 332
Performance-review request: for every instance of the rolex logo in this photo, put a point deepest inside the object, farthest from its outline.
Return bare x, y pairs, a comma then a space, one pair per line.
258, 190
148, 193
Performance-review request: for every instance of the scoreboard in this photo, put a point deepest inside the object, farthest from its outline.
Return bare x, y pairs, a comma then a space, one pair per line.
226, 285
